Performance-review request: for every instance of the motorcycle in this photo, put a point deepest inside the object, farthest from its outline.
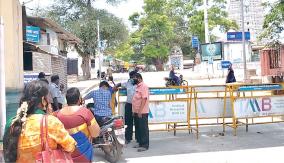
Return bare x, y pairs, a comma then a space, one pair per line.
172, 82
111, 138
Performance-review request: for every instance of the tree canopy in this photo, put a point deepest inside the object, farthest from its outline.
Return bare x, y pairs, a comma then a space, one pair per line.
168, 23
80, 18
274, 22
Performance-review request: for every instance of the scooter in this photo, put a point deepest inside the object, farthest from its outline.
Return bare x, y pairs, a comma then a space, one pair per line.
111, 140
171, 82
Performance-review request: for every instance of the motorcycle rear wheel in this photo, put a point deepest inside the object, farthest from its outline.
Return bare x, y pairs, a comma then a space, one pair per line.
113, 152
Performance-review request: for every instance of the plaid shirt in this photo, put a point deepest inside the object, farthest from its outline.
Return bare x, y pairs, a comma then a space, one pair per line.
102, 99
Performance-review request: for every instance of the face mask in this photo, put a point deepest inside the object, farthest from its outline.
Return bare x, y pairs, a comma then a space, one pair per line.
135, 81
131, 81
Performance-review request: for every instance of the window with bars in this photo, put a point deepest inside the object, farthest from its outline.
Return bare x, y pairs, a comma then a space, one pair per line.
274, 58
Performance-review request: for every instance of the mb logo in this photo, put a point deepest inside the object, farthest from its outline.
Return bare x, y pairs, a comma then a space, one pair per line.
262, 105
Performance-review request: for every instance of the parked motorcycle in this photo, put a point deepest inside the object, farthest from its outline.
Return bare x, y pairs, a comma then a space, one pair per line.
111, 139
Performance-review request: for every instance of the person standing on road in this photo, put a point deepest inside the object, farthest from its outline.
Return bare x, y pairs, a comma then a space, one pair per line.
109, 71
128, 114
231, 75
55, 93
140, 104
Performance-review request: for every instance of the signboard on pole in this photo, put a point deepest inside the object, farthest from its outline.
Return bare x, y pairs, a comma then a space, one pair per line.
211, 50
237, 36
225, 64
194, 42
32, 34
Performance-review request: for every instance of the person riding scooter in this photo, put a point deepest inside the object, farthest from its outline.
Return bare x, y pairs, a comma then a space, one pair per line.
173, 76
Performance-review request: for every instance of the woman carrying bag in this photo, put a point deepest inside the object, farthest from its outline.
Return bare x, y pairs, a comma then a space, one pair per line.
31, 136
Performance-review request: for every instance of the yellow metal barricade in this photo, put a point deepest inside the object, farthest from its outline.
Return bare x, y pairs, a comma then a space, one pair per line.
208, 105
175, 100
253, 104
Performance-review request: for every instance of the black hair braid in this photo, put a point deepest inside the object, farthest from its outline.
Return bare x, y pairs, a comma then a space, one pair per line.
33, 94
10, 141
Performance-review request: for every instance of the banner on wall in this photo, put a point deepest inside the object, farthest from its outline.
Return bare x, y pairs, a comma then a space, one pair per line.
255, 107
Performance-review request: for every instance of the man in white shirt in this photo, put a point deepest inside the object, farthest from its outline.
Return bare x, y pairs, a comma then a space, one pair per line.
57, 98
128, 115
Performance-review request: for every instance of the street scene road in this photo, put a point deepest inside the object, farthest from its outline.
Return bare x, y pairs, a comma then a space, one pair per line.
195, 81
262, 143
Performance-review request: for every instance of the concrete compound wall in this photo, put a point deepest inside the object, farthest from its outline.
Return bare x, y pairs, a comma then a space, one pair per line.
11, 12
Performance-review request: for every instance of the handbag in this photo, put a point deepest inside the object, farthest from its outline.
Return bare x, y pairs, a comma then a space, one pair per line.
48, 155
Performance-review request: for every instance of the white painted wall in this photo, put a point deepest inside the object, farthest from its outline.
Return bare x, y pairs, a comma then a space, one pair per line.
73, 54
2, 81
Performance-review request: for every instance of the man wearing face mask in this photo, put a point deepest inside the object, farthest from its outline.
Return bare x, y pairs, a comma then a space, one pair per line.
140, 108
102, 102
128, 115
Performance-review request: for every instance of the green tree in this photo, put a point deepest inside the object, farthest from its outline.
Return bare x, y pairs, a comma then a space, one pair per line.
274, 22
79, 17
189, 20
168, 23
154, 34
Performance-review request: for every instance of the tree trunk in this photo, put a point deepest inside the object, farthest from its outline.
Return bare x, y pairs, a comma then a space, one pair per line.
86, 67
159, 64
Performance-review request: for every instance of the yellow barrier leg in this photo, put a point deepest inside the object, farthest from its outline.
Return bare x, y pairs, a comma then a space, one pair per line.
175, 129
224, 111
196, 115
246, 124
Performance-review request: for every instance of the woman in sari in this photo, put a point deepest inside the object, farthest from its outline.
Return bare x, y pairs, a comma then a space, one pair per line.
22, 138
81, 125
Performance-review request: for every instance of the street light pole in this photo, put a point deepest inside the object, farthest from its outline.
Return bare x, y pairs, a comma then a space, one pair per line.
207, 40
244, 40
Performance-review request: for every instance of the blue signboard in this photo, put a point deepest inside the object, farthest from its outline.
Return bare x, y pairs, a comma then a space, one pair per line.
265, 87
237, 36
225, 64
195, 42
32, 34
158, 91
30, 77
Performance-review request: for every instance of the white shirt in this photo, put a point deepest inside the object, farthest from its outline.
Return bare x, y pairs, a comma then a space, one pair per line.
130, 88
55, 92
